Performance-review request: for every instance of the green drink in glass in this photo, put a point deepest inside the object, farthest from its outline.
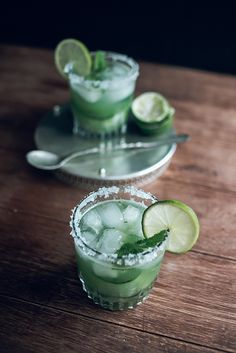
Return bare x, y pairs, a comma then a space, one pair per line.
100, 102
101, 85
102, 226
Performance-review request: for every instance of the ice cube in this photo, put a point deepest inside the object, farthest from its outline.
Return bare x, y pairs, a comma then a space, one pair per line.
89, 237
111, 215
115, 95
137, 230
110, 241
92, 220
132, 214
119, 71
133, 221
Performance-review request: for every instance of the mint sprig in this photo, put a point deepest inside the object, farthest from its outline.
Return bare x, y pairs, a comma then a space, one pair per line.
99, 61
142, 245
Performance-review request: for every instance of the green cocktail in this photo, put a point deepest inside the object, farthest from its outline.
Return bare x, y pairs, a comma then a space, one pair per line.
101, 224
100, 101
101, 85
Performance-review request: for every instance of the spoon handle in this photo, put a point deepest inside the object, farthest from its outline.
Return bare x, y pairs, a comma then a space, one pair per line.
128, 146
148, 145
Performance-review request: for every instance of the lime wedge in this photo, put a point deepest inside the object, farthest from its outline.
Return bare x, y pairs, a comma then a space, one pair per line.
74, 53
178, 218
150, 107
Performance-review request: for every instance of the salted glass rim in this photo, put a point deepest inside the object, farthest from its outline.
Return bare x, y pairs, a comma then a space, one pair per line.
132, 74
105, 192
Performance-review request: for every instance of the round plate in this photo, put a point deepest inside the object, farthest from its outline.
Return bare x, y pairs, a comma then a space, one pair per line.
54, 134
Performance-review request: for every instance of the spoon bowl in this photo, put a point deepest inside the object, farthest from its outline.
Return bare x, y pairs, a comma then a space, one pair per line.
43, 159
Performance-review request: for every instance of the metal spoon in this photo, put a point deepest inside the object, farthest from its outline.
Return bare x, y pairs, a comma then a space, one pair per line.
51, 161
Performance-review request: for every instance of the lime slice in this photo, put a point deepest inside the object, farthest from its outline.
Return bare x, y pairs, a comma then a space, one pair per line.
150, 107
178, 218
75, 53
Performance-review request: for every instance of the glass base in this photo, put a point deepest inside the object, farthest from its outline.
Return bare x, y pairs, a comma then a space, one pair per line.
116, 303
88, 127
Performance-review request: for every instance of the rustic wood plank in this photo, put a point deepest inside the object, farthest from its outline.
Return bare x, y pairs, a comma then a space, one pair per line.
193, 300
213, 166
39, 330
35, 83
205, 122
189, 85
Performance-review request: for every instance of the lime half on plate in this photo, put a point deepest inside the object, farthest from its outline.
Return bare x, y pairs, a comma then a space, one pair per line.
180, 220
75, 53
150, 107
152, 112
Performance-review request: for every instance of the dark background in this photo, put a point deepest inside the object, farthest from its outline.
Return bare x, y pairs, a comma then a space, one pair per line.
183, 33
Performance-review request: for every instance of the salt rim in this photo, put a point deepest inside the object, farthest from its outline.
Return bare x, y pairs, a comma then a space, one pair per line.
105, 84
126, 260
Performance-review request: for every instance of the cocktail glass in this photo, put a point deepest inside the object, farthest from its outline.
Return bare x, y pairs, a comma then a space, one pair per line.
100, 102
114, 282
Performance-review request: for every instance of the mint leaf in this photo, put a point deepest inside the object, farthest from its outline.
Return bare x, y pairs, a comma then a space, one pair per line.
99, 61
141, 245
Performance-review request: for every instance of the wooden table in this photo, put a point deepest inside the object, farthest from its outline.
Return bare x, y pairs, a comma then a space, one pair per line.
43, 308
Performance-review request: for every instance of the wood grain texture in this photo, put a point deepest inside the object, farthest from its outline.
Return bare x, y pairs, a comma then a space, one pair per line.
43, 308
66, 332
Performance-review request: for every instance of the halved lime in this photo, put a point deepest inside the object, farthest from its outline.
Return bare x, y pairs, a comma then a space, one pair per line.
178, 218
158, 127
150, 107
75, 53
151, 111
